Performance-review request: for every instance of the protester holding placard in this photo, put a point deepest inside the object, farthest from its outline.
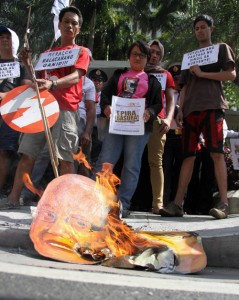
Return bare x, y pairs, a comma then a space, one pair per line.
161, 126
9, 44
130, 83
66, 85
202, 105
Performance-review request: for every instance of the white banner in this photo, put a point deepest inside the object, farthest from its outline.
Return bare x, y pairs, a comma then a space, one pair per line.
57, 59
9, 70
56, 8
235, 153
127, 116
200, 57
162, 77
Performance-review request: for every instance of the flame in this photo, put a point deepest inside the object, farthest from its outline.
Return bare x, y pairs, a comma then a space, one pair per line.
80, 157
107, 178
28, 183
78, 221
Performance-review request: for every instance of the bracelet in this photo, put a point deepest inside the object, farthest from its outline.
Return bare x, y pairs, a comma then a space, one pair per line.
53, 85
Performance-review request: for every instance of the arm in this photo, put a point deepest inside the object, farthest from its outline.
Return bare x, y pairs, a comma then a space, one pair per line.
169, 94
90, 120
179, 118
64, 82
229, 74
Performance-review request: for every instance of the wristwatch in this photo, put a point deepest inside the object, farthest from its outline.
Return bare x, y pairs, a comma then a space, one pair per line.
53, 85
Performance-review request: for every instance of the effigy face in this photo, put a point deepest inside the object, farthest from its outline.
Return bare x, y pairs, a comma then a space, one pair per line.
77, 220
71, 212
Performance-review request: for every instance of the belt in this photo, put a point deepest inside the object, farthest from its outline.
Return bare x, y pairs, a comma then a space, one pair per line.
176, 131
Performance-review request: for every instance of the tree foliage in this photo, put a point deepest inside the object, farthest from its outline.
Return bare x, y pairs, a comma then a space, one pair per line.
110, 26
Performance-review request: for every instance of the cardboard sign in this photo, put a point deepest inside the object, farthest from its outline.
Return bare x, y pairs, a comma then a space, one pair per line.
57, 59
127, 116
235, 153
20, 109
9, 70
162, 77
200, 57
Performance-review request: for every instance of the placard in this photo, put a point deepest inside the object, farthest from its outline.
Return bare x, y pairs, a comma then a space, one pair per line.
162, 77
200, 57
20, 109
235, 153
57, 59
9, 70
127, 116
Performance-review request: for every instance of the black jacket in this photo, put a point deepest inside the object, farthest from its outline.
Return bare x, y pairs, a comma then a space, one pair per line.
153, 97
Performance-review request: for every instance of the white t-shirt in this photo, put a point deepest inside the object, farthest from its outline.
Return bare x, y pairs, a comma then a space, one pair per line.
88, 94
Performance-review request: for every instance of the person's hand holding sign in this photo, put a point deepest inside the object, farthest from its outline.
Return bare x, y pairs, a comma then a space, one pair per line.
107, 111
146, 115
195, 70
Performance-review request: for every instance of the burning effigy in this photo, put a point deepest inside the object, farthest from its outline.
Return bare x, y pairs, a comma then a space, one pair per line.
77, 220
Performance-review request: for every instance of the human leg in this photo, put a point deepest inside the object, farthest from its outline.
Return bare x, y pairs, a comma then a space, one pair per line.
189, 145
8, 148
213, 133
38, 172
155, 156
65, 135
133, 151
25, 165
4, 167
111, 150
30, 147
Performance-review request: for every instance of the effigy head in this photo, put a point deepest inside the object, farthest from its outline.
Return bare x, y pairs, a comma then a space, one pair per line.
77, 220
71, 216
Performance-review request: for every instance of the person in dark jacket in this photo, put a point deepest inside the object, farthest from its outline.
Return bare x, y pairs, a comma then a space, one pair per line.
130, 83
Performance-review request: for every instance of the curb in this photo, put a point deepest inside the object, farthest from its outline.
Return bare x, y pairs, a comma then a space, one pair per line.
221, 243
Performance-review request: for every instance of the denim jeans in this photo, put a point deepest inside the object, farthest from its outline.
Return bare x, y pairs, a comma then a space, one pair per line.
132, 147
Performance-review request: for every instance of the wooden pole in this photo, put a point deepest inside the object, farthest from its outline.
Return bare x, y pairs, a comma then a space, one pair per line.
51, 146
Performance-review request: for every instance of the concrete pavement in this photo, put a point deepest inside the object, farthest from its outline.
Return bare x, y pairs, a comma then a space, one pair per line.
220, 238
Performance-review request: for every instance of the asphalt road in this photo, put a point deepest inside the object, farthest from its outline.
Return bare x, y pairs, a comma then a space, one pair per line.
26, 276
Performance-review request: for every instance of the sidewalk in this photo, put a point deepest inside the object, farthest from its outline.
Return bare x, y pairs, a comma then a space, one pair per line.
220, 238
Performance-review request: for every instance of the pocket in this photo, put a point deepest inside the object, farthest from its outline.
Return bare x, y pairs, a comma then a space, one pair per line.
69, 138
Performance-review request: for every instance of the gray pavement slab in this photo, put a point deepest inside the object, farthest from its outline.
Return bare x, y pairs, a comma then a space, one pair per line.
220, 238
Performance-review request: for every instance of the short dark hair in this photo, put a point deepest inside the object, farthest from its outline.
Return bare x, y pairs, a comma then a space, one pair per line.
143, 46
208, 19
72, 9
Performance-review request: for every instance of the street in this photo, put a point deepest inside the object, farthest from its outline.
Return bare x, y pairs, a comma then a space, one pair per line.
26, 275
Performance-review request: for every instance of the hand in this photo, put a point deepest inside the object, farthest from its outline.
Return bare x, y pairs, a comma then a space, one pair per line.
146, 115
179, 118
44, 84
85, 139
195, 70
165, 126
107, 111
25, 56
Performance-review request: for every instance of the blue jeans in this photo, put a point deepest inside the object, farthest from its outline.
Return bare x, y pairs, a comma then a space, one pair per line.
132, 147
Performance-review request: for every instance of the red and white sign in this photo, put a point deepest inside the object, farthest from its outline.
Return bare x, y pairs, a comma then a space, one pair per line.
20, 109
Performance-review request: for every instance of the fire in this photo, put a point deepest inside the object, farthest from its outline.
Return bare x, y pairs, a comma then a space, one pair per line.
81, 159
78, 221
28, 183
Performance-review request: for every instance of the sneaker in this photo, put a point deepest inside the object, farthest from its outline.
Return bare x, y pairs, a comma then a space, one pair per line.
171, 210
220, 211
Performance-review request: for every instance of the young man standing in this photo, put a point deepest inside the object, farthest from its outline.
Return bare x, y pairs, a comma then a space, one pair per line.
158, 137
202, 105
66, 85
